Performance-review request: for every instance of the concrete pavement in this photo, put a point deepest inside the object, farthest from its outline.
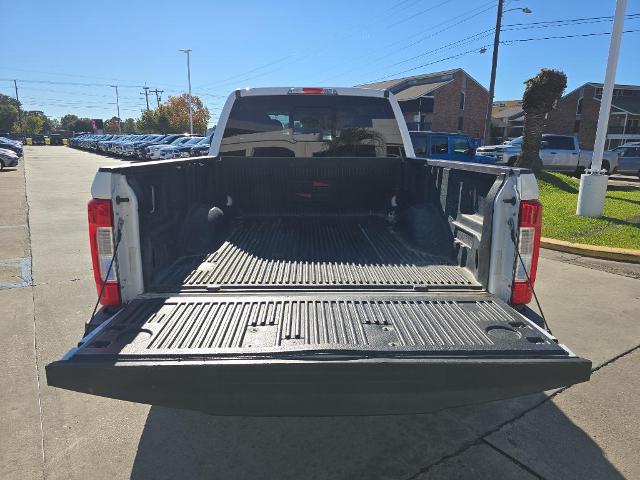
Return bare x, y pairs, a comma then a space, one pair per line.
586, 431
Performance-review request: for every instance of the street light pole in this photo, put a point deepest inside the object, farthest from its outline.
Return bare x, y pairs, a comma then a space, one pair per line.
188, 52
593, 183
118, 107
494, 66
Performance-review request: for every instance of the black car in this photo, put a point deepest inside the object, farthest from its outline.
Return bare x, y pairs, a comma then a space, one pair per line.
38, 140
202, 148
55, 139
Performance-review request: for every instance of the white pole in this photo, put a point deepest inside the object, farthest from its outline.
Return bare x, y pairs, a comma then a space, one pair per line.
593, 184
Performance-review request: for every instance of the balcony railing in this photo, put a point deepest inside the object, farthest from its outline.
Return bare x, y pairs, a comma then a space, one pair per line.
620, 129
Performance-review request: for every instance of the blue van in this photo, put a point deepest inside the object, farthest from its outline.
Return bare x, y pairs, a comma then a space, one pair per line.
447, 146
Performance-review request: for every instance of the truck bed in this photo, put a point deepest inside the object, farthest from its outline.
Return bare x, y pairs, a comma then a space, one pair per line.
321, 253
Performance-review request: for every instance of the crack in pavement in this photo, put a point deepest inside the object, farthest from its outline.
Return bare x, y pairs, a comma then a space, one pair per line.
35, 329
482, 438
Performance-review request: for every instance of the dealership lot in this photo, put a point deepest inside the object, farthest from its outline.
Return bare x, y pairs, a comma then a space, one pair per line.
590, 430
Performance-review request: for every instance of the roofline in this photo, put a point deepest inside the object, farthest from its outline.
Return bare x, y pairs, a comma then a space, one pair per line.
599, 85
433, 74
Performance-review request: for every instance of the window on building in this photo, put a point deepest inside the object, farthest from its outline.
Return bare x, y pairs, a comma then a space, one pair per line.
579, 107
439, 144
598, 93
460, 123
576, 126
462, 100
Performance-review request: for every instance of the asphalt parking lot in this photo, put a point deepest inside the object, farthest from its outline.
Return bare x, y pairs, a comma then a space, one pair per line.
590, 430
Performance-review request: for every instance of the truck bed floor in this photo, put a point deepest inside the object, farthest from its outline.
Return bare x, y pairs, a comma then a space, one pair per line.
320, 252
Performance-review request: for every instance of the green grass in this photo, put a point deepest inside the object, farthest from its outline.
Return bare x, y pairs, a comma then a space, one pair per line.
619, 225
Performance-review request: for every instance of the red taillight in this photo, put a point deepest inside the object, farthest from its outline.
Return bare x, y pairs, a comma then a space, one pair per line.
102, 246
529, 229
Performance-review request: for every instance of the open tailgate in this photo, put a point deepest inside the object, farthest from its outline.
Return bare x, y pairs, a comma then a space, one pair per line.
306, 354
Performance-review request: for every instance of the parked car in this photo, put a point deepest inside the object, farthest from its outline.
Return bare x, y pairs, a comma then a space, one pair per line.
8, 158
559, 153
38, 139
55, 139
629, 158
179, 149
202, 147
160, 141
308, 267
152, 152
447, 146
13, 145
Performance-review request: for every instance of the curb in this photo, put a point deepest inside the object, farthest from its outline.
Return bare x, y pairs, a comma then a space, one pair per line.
607, 253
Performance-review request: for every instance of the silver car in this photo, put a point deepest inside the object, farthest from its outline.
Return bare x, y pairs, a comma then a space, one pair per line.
8, 158
629, 158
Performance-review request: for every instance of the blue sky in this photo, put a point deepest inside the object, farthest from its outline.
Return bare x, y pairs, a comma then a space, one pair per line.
75, 49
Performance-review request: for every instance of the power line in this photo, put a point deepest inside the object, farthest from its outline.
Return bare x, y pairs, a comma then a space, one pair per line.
568, 20
505, 42
410, 17
489, 32
468, 15
517, 40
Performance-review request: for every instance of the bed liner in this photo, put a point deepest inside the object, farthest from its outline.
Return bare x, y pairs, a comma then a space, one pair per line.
314, 252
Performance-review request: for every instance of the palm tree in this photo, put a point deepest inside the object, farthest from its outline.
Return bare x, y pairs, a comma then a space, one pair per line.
541, 95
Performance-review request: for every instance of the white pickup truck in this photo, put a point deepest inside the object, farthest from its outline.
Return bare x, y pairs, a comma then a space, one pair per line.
308, 266
559, 153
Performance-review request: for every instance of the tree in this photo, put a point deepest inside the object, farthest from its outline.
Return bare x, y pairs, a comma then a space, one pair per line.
8, 117
129, 126
177, 110
148, 122
541, 95
73, 123
8, 112
68, 121
32, 122
111, 125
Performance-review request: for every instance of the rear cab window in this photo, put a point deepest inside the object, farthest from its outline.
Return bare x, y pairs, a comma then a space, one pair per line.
560, 143
312, 126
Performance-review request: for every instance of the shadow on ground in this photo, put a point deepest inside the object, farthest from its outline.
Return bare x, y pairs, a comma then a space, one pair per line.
183, 444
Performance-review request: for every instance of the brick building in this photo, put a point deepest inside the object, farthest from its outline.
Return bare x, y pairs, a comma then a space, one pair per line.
577, 112
507, 120
450, 101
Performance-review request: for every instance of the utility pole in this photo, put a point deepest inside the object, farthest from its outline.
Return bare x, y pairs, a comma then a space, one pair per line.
15, 84
492, 82
146, 95
118, 107
188, 52
158, 95
593, 183
494, 66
